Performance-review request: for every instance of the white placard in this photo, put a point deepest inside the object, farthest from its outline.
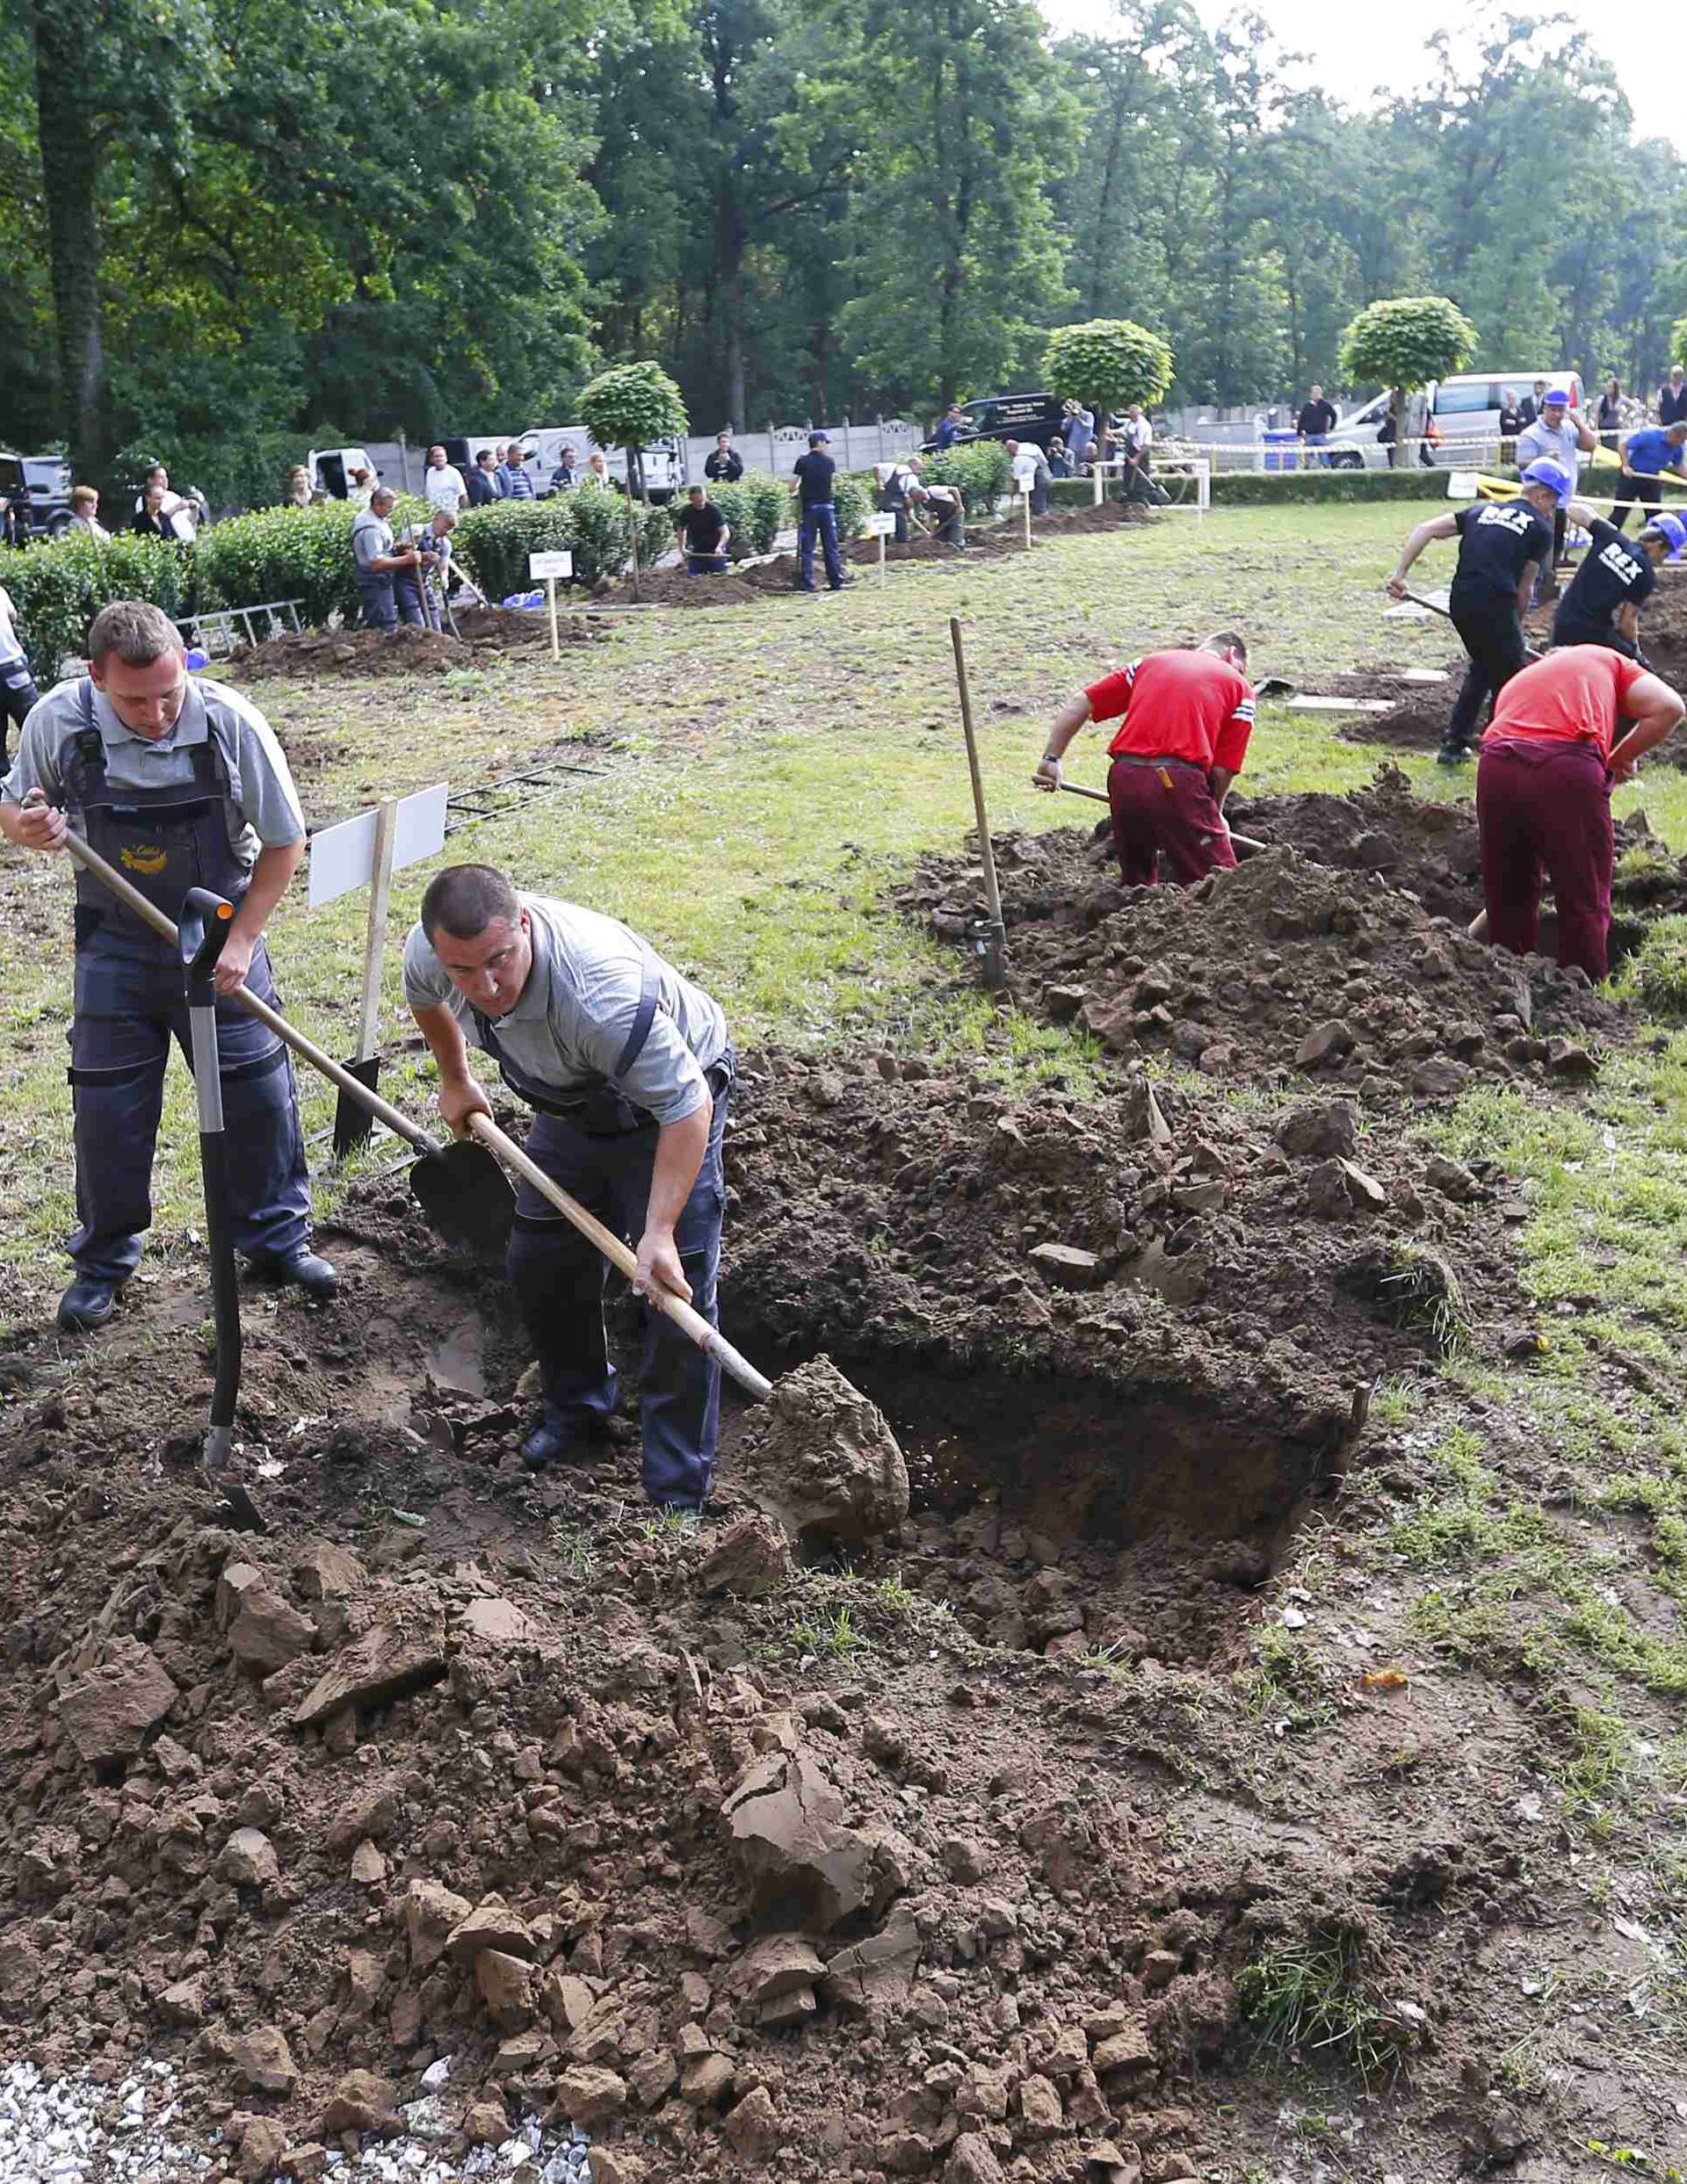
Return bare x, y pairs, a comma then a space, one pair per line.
881, 526
1461, 485
539, 566
344, 857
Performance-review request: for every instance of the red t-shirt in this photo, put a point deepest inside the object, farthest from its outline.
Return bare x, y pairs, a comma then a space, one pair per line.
1179, 704
1573, 696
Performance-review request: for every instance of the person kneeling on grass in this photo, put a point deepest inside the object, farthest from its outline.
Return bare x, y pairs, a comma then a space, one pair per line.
704, 532
1543, 793
1185, 720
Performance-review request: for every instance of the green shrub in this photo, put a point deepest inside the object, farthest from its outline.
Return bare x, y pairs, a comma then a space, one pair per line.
302, 553
1072, 493
981, 471
852, 498
495, 542
755, 508
1239, 489
59, 588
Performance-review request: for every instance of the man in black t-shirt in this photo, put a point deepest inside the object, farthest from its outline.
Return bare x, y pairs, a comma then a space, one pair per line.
1316, 421
1502, 546
1603, 604
815, 473
725, 465
705, 533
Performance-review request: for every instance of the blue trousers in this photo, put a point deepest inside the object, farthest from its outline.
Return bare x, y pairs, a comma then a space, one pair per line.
559, 1279
819, 522
129, 1004
389, 598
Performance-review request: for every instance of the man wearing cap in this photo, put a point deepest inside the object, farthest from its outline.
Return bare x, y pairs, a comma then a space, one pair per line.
1603, 604
1672, 398
1502, 545
815, 473
1652, 453
1185, 720
1543, 793
628, 1068
1556, 435
178, 781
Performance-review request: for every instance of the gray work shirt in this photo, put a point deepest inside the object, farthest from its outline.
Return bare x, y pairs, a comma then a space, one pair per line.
372, 540
571, 1024
1538, 441
264, 812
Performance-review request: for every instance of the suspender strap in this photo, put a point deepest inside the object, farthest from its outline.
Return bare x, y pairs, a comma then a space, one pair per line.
650, 998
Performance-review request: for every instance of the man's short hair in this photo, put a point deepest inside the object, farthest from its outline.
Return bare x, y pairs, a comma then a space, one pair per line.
695, 488
465, 899
1226, 641
723, 436
83, 496
438, 448
382, 492
491, 455
137, 632
1676, 432
152, 470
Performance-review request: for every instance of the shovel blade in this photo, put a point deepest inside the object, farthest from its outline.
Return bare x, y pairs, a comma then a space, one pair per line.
352, 1123
467, 1197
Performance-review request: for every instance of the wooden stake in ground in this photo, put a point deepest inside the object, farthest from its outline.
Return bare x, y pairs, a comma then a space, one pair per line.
1025, 487
993, 940
546, 568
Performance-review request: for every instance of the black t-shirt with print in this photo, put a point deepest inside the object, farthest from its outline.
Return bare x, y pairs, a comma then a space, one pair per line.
1614, 572
1496, 541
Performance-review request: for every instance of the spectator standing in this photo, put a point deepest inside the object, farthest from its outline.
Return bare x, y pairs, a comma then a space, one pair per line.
362, 488
1611, 415
1647, 455
17, 690
948, 427
1058, 465
1672, 398
1532, 405
1557, 437
444, 483
84, 515
1315, 424
378, 562
705, 533
566, 476
521, 479
162, 515
1080, 436
482, 482
596, 474
503, 475
298, 486
815, 473
725, 465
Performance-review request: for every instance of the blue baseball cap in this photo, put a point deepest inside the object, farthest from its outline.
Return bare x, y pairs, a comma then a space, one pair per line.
1557, 394
1547, 472
1674, 529
815, 438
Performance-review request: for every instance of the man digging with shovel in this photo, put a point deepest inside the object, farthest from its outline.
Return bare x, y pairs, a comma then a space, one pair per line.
628, 1067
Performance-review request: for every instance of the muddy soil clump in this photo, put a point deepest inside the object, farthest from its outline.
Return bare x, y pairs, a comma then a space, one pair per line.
1283, 971
487, 631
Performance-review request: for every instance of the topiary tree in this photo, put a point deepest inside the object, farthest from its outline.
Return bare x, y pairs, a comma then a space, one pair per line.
624, 406
1402, 344
1106, 363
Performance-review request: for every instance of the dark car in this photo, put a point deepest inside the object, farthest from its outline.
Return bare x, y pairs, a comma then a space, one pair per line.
49, 479
1036, 417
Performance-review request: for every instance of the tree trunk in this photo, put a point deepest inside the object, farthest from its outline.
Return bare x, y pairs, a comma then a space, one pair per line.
634, 465
71, 148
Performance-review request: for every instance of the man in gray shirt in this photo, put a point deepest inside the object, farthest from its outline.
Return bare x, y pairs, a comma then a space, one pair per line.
1557, 435
628, 1067
179, 782
377, 561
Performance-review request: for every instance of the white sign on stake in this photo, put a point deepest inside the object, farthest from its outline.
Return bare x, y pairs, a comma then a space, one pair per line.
550, 567
881, 526
344, 857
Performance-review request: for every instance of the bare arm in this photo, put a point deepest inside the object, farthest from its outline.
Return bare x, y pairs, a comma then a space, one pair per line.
1526, 587
459, 1096
1654, 710
1219, 779
680, 1148
34, 824
1628, 621
271, 876
1071, 717
1437, 527
1584, 438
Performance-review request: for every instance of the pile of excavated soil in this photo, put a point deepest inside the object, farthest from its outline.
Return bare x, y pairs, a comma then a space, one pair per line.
407, 650
1282, 971
674, 588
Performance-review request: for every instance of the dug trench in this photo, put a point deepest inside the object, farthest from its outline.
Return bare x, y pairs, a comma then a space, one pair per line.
888, 1826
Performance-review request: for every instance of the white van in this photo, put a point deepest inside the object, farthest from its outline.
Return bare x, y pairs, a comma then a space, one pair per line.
330, 469
1464, 409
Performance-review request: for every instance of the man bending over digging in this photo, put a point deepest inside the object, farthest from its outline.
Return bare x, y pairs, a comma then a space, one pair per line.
1184, 721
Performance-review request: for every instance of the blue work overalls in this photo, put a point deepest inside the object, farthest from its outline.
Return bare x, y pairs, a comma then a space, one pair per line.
601, 1149
129, 999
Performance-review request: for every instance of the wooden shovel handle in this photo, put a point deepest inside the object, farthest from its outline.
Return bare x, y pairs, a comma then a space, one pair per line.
689, 1321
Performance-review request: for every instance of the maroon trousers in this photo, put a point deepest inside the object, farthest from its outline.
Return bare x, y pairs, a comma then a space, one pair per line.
1543, 804
1164, 808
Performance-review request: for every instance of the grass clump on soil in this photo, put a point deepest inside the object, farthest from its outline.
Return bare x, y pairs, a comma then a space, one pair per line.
1316, 1994
1656, 974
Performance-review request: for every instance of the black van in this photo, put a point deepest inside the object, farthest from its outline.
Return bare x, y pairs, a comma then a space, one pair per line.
47, 479
1036, 417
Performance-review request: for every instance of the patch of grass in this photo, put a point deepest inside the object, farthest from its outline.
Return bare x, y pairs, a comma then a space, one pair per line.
1316, 1992
830, 1633
1286, 1683
1396, 1401
1421, 1291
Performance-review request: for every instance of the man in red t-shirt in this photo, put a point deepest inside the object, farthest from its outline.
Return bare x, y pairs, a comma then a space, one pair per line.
1543, 793
1184, 721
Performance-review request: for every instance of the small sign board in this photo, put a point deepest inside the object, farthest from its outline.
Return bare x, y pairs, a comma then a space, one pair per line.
1461, 485
541, 566
881, 526
344, 857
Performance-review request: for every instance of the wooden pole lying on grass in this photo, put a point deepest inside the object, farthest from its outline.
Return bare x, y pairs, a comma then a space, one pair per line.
993, 942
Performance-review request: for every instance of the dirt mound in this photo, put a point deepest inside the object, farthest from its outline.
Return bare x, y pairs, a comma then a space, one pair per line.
1283, 970
674, 588
407, 650
1424, 847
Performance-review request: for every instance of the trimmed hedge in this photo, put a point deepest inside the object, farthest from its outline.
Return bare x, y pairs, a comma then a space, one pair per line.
1244, 489
756, 508
58, 590
595, 527
981, 470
